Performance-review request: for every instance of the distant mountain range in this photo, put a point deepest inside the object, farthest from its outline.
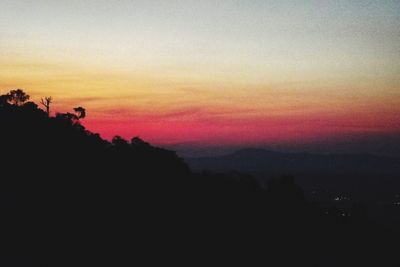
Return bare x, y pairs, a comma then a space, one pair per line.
261, 160
360, 173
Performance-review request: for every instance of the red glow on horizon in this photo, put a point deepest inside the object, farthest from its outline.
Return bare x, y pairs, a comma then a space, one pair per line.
242, 130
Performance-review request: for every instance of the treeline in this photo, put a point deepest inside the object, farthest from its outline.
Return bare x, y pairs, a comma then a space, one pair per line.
71, 198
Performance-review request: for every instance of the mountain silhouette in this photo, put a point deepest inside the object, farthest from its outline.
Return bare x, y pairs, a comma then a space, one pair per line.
70, 198
364, 176
256, 160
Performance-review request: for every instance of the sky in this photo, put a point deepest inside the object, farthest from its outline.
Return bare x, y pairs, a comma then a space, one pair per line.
197, 74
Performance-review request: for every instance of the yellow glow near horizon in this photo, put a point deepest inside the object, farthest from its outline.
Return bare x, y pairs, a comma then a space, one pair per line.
210, 70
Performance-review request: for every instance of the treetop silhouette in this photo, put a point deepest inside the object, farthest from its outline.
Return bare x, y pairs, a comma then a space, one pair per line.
80, 112
16, 97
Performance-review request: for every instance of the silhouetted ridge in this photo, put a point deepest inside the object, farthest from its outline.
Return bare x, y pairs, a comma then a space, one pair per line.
261, 160
70, 198
254, 153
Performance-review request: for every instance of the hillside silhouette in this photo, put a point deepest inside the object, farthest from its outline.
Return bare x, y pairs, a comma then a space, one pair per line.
71, 198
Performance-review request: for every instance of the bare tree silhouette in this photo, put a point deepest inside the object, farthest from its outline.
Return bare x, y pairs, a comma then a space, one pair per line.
46, 103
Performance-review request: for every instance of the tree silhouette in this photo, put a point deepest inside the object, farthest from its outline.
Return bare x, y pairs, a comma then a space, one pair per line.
17, 97
67, 116
118, 141
80, 112
46, 103
73, 118
138, 142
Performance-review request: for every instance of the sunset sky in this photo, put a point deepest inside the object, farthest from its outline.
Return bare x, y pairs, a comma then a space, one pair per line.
210, 73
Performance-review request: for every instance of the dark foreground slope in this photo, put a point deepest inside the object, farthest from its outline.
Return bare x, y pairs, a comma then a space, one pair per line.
70, 198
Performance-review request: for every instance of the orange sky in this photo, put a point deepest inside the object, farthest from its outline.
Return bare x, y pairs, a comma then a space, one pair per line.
210, 74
